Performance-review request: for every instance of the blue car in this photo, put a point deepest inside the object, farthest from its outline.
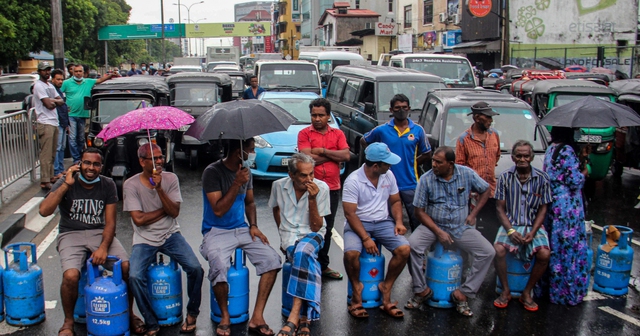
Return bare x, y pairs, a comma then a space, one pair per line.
273, 150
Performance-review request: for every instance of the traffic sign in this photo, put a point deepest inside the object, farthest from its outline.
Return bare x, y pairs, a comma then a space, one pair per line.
138, 32
157, 28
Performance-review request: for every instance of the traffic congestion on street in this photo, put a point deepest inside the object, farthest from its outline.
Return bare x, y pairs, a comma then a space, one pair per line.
237, 177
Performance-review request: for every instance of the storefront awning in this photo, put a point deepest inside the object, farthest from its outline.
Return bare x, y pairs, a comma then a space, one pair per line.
477, 47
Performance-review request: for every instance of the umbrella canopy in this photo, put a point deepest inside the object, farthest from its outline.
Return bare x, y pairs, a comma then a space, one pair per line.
550, 63
591, 112
157, 117
240, 119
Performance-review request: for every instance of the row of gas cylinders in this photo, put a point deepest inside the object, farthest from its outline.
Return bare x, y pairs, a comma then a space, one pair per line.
103, 303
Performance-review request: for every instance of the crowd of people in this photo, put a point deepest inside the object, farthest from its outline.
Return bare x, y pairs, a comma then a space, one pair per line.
529, 206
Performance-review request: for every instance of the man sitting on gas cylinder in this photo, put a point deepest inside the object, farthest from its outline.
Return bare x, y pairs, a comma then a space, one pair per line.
522, 195
153, 198
88, 205
299, 204
368, 194
442, 206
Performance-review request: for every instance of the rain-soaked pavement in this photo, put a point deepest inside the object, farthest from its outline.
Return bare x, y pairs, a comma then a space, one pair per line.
598, 315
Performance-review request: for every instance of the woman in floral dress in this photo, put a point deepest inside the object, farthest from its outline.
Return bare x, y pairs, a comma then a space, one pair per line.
568, 265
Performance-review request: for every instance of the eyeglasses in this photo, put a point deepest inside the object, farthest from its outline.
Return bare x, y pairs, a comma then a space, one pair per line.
161, 158
404, 108
96, 165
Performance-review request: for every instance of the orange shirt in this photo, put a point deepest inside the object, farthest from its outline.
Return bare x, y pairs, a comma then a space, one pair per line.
481, 156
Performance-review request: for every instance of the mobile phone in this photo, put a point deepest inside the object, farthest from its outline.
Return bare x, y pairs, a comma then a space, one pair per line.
76, 172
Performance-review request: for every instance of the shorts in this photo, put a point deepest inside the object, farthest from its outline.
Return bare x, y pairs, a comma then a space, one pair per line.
218, 245
74, 246
382, 231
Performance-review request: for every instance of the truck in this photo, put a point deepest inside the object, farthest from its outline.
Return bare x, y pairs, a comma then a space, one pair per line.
187, 61
216, 54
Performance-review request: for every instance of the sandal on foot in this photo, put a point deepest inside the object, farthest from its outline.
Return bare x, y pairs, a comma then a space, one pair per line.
331, 274
393, 310
152, 332
45, 186
290, 332
416, 301
137, 325
304, 325
501, 302
223, 330
260, 330
462, 307
63, 331
358, 312
188, 328
529, 306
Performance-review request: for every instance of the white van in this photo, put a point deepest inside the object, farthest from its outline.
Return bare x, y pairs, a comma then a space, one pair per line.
285, 76
14, 89
455, 70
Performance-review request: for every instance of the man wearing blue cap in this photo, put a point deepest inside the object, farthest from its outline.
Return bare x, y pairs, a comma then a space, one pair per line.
368, 194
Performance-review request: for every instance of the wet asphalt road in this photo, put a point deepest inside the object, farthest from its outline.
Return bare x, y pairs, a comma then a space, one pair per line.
612, 204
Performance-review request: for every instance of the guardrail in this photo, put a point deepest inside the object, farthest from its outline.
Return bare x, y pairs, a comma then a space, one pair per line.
18, 148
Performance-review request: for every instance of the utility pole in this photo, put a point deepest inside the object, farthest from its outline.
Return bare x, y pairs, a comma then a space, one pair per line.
164, 53
181, 27
57, 34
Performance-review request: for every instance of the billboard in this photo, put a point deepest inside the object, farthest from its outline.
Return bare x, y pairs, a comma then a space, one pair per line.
386, 29
243, 9
228, 29
481, 19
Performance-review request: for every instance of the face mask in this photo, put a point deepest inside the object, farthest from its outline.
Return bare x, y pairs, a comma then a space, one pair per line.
78, 79
249, 161
87, 181
144, 68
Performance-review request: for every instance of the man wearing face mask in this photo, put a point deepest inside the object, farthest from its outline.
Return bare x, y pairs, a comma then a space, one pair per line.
76, 89
143, 69
227, 189
407, 140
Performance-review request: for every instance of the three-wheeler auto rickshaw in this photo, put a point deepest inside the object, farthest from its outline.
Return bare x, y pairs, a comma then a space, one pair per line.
627, 147
196, 93
550, 93
114, 98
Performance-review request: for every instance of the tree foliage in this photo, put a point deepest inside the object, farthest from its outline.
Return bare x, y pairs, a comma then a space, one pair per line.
28, 22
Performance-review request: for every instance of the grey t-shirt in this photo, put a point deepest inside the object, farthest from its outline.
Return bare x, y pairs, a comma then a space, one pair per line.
137, 197
82, 208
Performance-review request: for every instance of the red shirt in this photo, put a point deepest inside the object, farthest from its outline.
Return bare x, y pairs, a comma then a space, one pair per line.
333, 139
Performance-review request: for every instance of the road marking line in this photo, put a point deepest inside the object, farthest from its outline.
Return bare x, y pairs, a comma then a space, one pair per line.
623, 316
337, 238
592, 296
598, 227
50, 304
50, 238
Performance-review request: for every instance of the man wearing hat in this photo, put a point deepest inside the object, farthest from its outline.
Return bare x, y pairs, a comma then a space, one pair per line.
45, 103
368, 194
479, 149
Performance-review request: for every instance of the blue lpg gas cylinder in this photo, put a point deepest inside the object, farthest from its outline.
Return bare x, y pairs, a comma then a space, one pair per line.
107, 302
164, 283
287, 300
613, 269
518, 273
238, 297
371, 275
444, 271
23, 288
80, 312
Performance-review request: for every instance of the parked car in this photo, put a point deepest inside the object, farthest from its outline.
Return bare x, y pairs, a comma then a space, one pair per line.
213, 65
13, 90
185, 68
273, 150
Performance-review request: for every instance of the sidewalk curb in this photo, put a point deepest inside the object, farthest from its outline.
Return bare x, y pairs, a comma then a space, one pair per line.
25, 223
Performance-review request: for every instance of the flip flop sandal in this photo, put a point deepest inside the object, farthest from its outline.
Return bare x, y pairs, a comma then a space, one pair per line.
62, 332
290, 332
188, 328
416, 301
462, 307
258, 330
224, 328
304, 325
501, 303
393, 311
529, 306
152, 332
138, 326
358, 312
332, 274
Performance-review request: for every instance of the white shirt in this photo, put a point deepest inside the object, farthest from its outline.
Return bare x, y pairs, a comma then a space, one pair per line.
43, 90
372, 203
294, 214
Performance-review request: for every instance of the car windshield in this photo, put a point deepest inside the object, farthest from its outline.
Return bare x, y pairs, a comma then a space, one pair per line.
562, 99
194, 94
415, 91
512, 125
456, 72
238, 83
109, 109
14, 91
298, 107
212, 65
289, 75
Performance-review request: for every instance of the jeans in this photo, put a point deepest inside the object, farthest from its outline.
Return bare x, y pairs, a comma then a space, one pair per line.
76, 137
58, 165
177, 248
323, 256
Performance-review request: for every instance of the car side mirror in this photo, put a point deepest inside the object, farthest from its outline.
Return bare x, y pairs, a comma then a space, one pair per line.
369, 109
88, 103
338, 121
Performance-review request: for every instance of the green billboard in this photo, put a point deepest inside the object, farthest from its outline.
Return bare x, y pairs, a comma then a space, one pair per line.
139, 32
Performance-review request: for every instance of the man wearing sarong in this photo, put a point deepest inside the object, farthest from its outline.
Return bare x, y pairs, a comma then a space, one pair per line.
299, 204
522, 196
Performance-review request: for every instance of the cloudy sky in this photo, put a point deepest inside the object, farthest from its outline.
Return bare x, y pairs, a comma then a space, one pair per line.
148, 11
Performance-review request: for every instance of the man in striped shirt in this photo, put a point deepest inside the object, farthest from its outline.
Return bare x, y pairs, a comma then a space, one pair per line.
522, 195
479, 149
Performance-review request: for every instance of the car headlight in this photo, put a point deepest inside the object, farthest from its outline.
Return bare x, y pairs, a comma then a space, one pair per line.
142, 141
261, 143
98, 142
604, 147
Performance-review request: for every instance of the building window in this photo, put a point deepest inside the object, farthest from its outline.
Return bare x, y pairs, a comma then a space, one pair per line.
407, 16
390, 5
428, 12
357, 4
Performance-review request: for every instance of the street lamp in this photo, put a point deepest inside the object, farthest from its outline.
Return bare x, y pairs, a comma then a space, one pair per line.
188, 18
196, 42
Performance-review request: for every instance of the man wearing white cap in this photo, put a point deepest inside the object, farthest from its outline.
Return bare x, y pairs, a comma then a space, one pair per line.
368, 194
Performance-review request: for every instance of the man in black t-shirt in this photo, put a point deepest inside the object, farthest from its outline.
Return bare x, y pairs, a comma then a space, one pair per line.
87, 203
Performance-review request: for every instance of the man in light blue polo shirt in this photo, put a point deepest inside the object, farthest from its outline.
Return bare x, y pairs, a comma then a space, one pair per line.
368, 194
409, 141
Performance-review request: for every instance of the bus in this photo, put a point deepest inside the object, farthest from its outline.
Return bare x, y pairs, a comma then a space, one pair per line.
455, 70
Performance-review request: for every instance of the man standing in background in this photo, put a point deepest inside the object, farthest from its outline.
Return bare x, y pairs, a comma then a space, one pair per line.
57, 78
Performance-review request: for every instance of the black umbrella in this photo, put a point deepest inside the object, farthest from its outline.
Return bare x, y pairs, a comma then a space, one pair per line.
550, 63
240, 119
591, 112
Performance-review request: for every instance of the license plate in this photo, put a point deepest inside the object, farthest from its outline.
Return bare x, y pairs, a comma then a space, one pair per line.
184, 128
285, 161
590, 138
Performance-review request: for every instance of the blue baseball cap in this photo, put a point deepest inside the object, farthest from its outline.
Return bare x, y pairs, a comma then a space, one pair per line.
379, 152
